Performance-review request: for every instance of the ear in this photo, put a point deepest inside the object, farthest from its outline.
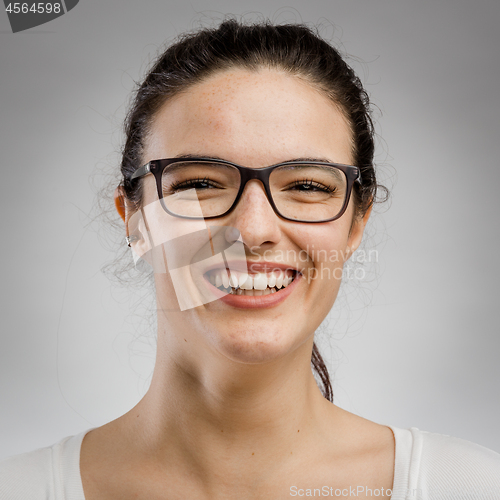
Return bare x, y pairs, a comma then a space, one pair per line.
119, 196
122, 207
135, 226
356, 233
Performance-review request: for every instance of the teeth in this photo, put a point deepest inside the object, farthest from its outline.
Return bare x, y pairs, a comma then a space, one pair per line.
279, 280
233, 280
225, 279
238, 282
271, 281
243, 279
260, 281
248, 283
252, 293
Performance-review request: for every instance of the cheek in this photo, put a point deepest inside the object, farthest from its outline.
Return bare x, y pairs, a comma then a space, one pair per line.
326, 248
166, 298
323, 245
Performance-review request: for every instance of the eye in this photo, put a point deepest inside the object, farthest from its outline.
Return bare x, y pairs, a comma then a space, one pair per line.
308, 185
198, 184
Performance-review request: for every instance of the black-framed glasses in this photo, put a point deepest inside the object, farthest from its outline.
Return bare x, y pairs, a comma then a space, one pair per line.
206, 188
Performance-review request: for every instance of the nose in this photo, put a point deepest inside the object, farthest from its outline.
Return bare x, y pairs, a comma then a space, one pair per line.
255, 218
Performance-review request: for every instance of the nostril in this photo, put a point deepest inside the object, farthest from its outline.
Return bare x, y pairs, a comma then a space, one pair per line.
232, 234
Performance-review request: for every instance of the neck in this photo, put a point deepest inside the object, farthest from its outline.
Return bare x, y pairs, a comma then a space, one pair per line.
239, 397
213, 413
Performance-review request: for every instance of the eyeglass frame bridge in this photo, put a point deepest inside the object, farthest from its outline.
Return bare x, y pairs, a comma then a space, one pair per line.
157, 167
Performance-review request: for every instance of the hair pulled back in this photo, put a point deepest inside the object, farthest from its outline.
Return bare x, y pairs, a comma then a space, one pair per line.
292, 48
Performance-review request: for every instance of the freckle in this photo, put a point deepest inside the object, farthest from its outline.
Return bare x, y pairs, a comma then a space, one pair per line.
253, 453
291, 453
137, 416
222, 430
298, 430
185, 340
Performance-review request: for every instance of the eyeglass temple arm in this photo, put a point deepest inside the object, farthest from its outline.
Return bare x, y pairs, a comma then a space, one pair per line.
359, 178
141, 171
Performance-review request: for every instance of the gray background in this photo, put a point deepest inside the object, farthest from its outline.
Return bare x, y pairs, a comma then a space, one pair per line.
414, 344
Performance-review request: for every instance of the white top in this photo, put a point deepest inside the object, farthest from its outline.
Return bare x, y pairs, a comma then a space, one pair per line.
428, 466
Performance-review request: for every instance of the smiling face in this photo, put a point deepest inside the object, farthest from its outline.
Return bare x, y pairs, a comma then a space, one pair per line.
256, 119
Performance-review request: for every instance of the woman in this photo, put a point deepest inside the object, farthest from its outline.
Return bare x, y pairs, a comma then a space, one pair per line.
248, 180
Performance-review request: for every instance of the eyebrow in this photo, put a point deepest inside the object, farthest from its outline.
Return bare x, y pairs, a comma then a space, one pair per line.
213, 157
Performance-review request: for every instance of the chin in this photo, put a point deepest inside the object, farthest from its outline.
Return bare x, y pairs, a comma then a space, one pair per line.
257, 346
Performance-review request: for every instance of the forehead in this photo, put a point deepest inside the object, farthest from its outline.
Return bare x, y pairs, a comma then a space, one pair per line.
251, 117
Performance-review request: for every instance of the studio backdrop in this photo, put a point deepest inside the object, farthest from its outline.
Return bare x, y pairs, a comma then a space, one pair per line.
413, 339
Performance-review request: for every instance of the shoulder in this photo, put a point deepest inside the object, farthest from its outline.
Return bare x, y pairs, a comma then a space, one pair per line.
45, 474
29, 475
449, 453
443, 466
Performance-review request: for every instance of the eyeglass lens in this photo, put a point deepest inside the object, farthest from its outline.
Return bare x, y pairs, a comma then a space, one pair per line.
303, 192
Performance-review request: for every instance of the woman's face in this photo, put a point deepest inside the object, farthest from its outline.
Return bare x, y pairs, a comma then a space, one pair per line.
256, 119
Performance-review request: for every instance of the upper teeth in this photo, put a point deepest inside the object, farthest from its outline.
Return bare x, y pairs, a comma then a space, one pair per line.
245, 281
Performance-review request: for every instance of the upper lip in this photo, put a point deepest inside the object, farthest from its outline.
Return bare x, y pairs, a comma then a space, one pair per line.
253, 266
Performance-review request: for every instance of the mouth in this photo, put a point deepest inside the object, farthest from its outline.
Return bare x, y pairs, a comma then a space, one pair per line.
251, 285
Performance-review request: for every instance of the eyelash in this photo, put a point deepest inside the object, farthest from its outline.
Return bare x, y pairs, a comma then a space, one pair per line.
192, 183
305, 182
309, 182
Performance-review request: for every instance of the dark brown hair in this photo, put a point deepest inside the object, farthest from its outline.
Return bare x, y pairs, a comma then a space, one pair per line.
293, 48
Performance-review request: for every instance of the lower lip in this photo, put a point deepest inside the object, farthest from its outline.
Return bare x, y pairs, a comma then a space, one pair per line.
258, 301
